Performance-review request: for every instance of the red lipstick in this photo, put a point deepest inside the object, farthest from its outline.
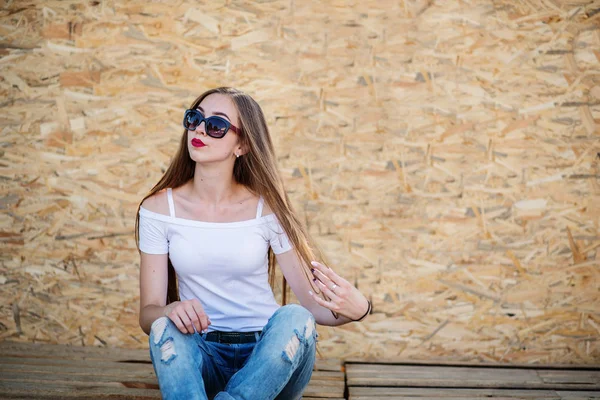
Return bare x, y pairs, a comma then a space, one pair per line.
197, 143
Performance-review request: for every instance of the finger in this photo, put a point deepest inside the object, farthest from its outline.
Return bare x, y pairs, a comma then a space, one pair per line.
187, 321
196, 327
323, 278
328, 272
325, 289
318, 271
178, 323
202, 317
199, 310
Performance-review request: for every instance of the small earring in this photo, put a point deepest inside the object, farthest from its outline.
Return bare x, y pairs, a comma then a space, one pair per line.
237, 156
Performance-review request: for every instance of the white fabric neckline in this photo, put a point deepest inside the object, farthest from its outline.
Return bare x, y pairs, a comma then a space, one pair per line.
206, 224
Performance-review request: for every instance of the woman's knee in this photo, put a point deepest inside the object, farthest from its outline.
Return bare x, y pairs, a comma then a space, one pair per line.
302, 328
167, 340
294, 313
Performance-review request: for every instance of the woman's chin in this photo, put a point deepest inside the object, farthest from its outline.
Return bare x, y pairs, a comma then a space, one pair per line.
205, 159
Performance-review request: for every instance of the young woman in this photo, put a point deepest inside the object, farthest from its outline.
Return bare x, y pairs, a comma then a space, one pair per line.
207, 235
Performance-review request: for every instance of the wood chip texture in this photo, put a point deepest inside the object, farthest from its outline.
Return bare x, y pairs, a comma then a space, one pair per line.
444, 154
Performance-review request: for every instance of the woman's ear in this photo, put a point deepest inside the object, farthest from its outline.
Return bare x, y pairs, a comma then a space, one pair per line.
241, 150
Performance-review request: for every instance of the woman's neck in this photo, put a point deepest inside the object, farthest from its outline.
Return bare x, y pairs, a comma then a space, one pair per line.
214, 186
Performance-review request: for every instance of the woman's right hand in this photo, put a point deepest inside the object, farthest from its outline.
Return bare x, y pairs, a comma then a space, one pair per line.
188, 314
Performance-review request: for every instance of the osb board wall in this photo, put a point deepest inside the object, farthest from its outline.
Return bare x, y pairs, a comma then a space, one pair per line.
444, 154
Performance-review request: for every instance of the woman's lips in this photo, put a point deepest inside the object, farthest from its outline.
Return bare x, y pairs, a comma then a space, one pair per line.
197, 143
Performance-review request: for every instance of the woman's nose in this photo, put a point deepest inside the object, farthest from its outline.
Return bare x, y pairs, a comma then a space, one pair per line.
201, 128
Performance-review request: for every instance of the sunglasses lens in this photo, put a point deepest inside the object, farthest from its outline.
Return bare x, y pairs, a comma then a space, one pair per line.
216, 127
192, 120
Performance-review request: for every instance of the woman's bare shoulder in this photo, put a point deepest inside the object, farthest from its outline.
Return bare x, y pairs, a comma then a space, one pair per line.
157, 203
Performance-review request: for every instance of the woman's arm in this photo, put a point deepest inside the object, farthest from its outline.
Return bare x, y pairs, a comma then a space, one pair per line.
346, 300
188, 315
153, 288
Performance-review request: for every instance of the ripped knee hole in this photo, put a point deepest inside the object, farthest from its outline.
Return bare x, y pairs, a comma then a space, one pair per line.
291, 348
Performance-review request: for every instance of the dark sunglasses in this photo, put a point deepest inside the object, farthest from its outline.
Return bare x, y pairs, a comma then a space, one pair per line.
214, 126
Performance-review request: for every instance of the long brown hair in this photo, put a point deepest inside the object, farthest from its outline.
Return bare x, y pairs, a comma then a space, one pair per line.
258, 171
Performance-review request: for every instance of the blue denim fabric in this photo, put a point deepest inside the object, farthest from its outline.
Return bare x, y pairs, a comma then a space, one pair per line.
278, 366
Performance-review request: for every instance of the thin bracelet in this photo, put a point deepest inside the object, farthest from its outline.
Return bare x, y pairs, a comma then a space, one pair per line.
367, 313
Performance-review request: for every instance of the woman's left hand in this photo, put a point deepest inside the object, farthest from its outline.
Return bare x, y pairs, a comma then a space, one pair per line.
345, 298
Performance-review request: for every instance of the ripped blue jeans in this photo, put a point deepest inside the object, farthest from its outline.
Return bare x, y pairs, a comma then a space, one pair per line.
278, 366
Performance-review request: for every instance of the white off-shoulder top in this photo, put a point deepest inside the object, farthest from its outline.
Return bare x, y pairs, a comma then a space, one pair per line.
222, 264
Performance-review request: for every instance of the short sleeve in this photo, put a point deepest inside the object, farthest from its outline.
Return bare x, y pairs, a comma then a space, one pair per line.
153, 235
278, 239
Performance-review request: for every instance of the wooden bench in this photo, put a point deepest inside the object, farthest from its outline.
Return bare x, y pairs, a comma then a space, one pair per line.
387, 380
33, 370
58, 371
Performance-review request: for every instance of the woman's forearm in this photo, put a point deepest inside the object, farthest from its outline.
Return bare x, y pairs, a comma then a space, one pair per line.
149, 314
324, 316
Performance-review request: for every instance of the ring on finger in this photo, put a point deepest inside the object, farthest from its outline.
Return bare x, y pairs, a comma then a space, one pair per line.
333, 287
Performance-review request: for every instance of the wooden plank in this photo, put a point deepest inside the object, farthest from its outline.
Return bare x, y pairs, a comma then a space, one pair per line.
328, 375
570, 377
79, 383
115, 378
328, 364
467, 377
587, 394
61, 351
324, 391
12, 383
81, 367
315, 388
83, 364
120, 371
82, 374
326, 384
445, 362
392, 393
50, 390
